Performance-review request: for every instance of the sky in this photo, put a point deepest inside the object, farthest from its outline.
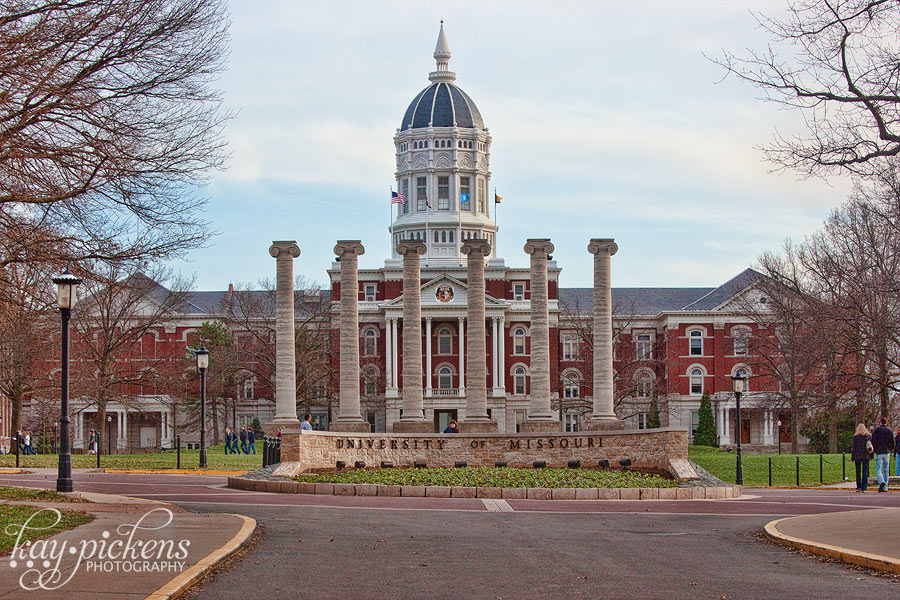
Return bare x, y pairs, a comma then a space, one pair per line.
607, 118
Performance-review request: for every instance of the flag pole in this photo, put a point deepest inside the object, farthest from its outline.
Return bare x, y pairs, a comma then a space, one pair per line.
391, 221
496, 224
459, 227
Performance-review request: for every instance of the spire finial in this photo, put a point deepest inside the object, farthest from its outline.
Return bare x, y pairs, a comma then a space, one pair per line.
442, 58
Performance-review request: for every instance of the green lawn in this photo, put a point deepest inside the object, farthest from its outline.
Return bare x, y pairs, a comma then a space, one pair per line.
495, 477
8, 492
784, 467
12, 516
216, 459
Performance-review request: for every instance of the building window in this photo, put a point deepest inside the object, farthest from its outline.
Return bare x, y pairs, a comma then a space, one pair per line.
695, 422
518, 291
644, 388
570, 386
464, 203
370, 382
519, 381
370, 338
519, 341
445, 378
481, 209
570, 346
370, 292
520, 420
570, 422
421, 193
696, 342
741, 341
406, 196
249, 392
443, 192
445, 341
644, 346
642, 419
696, 382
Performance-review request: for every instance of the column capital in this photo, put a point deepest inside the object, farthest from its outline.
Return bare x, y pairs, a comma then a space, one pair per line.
349, 247
428, 319
476, 247
533, 246
405, 247
287, 248
603, 245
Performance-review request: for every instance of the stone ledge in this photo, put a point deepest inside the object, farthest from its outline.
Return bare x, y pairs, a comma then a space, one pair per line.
433, 491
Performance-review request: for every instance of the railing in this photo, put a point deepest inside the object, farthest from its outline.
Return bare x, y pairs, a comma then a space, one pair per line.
445, 393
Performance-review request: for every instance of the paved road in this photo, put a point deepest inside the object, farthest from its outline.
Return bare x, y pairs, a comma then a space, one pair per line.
320, 547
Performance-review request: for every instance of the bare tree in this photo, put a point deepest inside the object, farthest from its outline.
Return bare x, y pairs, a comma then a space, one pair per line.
115, 324
835, 62
109, 120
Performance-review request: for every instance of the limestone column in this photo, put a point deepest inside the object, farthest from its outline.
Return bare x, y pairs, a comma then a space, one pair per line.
349, 417
395, 360
502, 355
462, 353
604, 416
388, 355
284, 253
428, 374
477, 419
413, 419
540, 417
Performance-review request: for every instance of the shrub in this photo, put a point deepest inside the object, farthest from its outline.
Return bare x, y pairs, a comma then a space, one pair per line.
706, 427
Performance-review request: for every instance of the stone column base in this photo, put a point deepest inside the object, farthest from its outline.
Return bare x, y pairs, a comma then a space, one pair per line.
284, 424
402, 426
605, 425
480, 426
355, 426
540, 427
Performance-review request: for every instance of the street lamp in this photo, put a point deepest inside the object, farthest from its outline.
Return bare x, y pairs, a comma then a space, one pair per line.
778, 439
109, 434
202, 364
66, 286
738, 380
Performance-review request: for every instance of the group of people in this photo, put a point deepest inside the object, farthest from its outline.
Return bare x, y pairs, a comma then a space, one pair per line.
25, 441
878, 444
247, 438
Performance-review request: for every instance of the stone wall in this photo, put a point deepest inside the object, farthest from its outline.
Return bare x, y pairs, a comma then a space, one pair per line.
665, 449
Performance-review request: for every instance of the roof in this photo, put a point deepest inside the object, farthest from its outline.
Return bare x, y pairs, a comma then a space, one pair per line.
442, 104
718, 296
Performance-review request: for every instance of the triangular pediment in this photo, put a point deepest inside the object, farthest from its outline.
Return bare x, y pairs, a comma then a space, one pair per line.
445, 291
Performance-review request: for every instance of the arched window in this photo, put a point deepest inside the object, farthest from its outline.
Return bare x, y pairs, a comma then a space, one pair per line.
444, 236
644, 385
518, 341
370, 381
741, 337
445, 378
519, 380
696, 382
696, 342
445, 341
437, 236
451, 236
570, 386
370, 338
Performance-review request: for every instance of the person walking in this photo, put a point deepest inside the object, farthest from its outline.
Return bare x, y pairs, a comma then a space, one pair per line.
28, 449
883, 442
860, 454
307, 425
897, 453
244, 439
228, 440
251, 440
92, 442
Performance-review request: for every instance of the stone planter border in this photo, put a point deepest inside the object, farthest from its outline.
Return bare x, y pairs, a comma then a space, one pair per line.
421, 491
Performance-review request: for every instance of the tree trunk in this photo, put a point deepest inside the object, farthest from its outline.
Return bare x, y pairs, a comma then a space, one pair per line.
795, 429
832, 432
213, 405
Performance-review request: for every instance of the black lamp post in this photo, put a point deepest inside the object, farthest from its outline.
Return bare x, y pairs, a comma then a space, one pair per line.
66, 286
738, 390
202, 364
108, 434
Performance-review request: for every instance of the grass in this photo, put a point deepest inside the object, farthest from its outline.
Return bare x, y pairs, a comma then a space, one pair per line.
784, 467
216, 459
13, 515
495, 477
17, 494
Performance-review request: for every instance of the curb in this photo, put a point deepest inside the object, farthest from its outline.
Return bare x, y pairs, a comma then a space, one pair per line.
561, 494
174, 471
845, 555
184, 580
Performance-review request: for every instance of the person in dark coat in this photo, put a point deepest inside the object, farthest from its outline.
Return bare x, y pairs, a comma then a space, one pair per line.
883, 442
244, 439
861, 457
897, 454
227, 440
251, 440
451, 427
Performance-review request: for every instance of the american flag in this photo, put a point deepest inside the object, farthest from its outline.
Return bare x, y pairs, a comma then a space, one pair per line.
397, 198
